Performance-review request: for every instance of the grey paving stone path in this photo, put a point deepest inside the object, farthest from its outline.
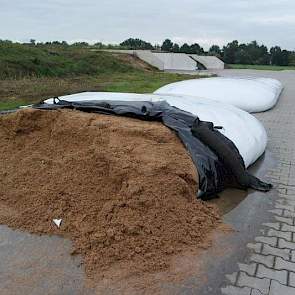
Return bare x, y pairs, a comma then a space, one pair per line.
269, 266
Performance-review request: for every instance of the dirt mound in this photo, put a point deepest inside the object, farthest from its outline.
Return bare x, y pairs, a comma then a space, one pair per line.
134, 61
124, 189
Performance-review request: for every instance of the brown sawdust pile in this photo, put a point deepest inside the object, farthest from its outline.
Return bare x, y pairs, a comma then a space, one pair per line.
124, 188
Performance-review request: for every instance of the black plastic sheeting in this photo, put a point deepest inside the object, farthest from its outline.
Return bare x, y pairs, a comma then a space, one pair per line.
212, 154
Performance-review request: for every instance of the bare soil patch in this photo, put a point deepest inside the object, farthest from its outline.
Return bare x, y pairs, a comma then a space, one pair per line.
134, 61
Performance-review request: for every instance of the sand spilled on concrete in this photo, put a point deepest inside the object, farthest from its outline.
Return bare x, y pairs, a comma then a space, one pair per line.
124, 188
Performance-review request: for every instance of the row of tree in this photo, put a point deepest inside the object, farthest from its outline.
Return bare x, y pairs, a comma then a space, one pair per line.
233, 53
253, 53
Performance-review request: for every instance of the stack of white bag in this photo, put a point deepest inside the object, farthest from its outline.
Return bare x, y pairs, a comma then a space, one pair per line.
249, 94
243, 129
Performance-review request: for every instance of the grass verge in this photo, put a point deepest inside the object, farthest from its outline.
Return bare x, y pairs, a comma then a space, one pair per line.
16, 92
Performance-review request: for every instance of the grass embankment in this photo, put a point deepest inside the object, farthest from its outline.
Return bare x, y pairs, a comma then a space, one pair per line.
260, 67
29, 74
20, 60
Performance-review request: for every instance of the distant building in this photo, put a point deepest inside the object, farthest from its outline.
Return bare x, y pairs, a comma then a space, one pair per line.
179, 61
167, 61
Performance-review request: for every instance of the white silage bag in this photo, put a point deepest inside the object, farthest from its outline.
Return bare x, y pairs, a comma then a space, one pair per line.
249, 94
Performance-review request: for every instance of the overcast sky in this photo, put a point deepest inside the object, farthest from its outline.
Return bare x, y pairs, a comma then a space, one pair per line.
206, 22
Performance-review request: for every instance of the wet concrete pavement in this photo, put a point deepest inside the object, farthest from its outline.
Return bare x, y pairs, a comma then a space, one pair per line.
31, 264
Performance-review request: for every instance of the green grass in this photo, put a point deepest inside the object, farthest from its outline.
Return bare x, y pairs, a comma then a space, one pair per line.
261, 67
19, 60
16, 92
141, 82
10, 105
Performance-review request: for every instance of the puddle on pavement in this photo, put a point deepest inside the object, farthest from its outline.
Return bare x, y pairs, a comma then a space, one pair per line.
229, 199
33, 264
